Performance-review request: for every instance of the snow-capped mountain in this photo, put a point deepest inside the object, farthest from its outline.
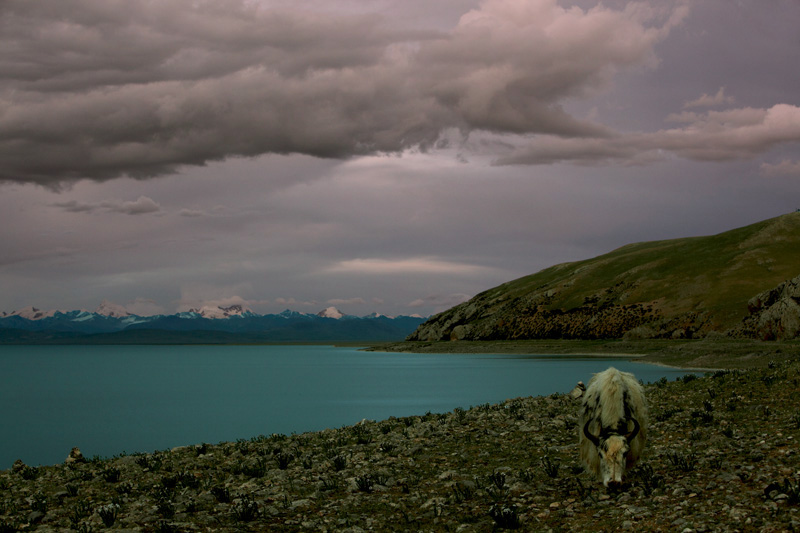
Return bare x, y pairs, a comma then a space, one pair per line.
112, 323
209, 311
288, 313
331, 312
377, 315
32, 313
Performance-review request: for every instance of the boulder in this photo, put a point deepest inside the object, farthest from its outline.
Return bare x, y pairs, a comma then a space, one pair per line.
18, 466
75, 456
774, 314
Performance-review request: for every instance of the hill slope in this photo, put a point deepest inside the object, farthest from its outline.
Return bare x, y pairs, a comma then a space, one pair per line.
674, 288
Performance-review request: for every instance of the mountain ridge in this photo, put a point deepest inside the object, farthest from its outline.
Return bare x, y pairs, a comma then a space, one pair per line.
677, 288
223, 325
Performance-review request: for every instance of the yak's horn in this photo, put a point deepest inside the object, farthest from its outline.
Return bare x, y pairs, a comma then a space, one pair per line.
589, 436
632, 435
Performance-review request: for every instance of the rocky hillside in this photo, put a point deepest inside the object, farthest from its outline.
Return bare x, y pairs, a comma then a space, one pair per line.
722, 456
774, 314
736, 283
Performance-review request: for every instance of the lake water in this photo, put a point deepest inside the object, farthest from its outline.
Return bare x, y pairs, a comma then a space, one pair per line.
110, 399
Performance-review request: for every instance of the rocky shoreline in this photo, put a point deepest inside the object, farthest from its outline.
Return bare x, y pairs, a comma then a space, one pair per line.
722, 456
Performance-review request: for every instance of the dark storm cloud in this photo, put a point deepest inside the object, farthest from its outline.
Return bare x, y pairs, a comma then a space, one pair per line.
104, 88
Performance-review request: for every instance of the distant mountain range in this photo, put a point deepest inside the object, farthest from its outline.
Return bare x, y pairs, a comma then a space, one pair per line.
741, 283
112, 324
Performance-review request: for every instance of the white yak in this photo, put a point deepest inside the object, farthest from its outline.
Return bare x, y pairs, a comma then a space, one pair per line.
612, 424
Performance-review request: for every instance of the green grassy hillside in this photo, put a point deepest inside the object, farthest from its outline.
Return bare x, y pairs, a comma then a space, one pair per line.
678, 287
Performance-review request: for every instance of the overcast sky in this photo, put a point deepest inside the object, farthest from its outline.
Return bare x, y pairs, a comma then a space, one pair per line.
376, 155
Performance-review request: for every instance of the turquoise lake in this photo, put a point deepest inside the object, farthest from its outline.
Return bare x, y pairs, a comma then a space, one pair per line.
112, 399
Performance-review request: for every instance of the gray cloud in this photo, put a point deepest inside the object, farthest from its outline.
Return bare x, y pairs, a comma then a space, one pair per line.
713, 136
98, 91
706, 100
141, 206
191, 213
785, 168
105, 88
144, 307
440, 301
295, 302
347, 301
73, 206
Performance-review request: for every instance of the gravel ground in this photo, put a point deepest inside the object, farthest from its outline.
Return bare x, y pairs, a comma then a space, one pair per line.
722, 456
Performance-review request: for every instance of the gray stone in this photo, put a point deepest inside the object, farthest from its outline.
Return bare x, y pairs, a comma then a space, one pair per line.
75, 456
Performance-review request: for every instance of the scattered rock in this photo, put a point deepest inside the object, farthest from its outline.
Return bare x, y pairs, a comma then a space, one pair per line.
35, 517
774, 314
447, 471
18, 466
75, 456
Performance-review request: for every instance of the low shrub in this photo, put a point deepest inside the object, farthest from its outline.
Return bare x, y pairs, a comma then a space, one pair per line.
108, 513
505, 517
365, 483
550, 467
245, 509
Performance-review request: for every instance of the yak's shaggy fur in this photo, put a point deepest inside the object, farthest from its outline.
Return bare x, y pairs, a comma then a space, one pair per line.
612, 425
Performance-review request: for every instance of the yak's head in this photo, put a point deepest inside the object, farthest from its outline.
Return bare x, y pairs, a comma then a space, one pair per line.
613, 448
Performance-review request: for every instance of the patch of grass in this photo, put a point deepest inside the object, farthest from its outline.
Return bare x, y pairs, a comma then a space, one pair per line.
704, 418
284, 459
245, 509
29, 472
169, 482
153, 462
583, 491
108, 513
462, 492
328, 483
164, 502
497, 479
550, 467
164, 526
650, 481
202, 449
257, 468
111, 474
497, 489
505, 517
9, 527
39, 502
666, 414
365, 483
339, 463
683, 462
80, 510
71, 489
222, 494
362, 434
